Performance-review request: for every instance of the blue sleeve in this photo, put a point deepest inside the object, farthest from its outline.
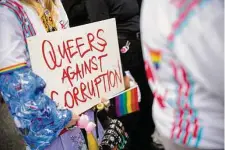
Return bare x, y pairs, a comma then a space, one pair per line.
34, 113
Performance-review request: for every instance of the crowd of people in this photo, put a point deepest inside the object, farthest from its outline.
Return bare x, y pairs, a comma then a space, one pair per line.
172, 49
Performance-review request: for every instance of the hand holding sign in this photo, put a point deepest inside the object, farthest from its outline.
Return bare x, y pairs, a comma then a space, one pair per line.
73, 121
80, 65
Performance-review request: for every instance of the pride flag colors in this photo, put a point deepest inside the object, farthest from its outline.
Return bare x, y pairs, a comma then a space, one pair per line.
127, 102
155, 57
13, 67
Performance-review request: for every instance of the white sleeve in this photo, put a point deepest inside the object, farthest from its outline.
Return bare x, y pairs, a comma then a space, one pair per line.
12, 44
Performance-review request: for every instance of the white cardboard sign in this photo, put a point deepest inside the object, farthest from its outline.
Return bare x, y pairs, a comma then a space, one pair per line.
79, 65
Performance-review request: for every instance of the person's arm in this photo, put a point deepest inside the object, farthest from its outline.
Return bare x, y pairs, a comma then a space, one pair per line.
34, 113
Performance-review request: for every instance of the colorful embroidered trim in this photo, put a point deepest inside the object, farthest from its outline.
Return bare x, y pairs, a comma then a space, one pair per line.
13, 67
182, 20
127, 102
184, 130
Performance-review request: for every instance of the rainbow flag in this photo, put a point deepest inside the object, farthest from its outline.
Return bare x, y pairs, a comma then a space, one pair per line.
127, 102
155, 57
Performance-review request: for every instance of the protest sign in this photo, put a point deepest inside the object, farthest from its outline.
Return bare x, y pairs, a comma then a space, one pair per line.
79, 65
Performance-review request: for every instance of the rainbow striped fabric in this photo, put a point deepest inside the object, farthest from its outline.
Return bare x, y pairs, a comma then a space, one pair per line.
127, 102
155, 57
13, 67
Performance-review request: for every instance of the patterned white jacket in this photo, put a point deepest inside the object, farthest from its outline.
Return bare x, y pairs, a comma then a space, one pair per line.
183, 49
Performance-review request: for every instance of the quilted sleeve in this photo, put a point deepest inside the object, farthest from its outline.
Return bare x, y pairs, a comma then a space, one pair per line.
34, 113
